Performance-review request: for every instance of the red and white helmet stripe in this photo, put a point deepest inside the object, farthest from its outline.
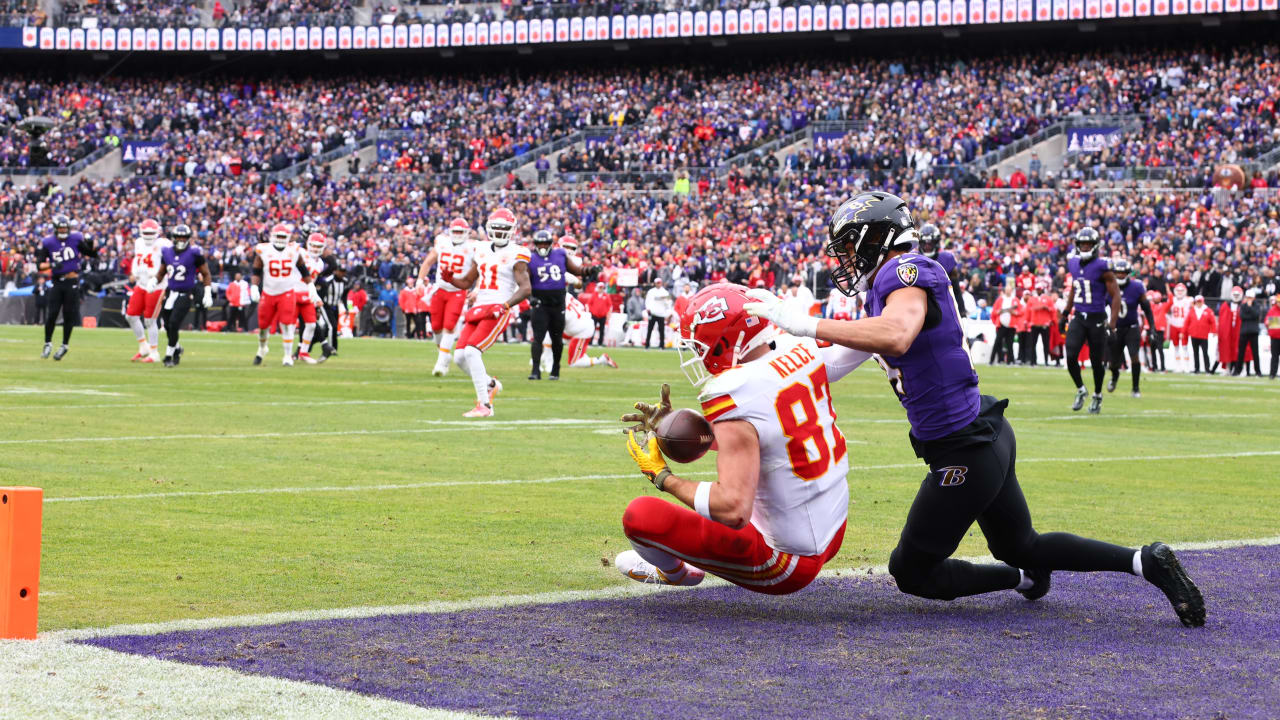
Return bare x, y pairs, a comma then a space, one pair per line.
149, 230
501, 226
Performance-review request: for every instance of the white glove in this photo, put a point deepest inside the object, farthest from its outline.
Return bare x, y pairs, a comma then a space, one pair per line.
208, 296
255, 295
789, 317
313, 295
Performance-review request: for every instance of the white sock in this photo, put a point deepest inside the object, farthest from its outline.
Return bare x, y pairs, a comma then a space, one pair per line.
153, 333
442, 360
479, 376
168, 352
308, 332
1137, 563
1024, 582
135, 323
287, 336
447, 339
262, 345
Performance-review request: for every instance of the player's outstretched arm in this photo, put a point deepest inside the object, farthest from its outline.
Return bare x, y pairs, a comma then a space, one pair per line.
523, 287
206, 279
427, 262
1145, 304
1071, 303
464, 282
890, 333
730, 499
302, 268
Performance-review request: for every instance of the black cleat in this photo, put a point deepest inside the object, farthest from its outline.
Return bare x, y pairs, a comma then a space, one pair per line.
535, 375
1040, 581
177, 356
1081, 394
1161, 568
170, 361
326, 350
1095, 406
1111, 386
48, 349
257, 359
62, 352
553, 376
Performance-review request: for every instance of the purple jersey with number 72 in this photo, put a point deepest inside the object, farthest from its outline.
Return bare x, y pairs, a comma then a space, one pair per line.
934, 379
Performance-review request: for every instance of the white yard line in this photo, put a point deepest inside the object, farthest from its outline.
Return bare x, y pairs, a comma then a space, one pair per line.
568, 478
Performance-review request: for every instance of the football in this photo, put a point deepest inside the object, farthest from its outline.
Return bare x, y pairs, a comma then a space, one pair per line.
684, 435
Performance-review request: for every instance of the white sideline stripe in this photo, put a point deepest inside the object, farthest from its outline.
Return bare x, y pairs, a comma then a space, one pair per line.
538, 481
498, 601
57, 391
451, 427
70, 680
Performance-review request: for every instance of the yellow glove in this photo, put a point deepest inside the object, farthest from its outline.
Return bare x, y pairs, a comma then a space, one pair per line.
650, 415
644, 450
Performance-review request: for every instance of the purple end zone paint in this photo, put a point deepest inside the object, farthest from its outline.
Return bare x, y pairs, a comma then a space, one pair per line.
1098, 646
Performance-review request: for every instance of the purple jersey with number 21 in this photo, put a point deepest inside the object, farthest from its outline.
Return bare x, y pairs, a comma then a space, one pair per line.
934, 378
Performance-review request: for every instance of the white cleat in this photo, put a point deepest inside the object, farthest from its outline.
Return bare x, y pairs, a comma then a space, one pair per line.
630, 564
288, 361
306, 358
495, 387
441, 369
479, 411
609, 361
154, 357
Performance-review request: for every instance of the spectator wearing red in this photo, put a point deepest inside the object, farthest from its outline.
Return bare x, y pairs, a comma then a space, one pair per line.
1018, 179
1043, 316
1201, 323
1229, 332
1155, 346
1272, 321
359, 299
409, 306
600, 304
1002, 314
1022, 326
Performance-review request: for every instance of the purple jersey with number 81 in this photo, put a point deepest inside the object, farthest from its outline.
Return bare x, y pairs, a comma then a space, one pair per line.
934, 378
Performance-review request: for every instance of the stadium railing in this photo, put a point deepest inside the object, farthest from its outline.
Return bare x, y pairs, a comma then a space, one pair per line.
986, 161
66, 170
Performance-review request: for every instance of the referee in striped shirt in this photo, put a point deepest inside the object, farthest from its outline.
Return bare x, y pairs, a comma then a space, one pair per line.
333, 294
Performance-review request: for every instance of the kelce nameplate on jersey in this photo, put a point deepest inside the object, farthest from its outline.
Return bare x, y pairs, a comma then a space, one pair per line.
798, 357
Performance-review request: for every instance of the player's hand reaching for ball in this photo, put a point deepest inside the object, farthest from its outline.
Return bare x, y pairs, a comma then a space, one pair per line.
644, 450
649, 416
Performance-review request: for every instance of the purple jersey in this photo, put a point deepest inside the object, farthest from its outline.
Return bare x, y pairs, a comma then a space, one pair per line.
1091, 291
947, 261
1131, 294
182, 268
548, 273
934, 379
62, 254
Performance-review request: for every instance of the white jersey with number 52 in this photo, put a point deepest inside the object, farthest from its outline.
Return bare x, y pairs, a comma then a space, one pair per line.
802, 497
452, 260
279, 268
496, 278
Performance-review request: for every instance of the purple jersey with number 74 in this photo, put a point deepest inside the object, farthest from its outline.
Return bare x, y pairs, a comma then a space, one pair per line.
934, 379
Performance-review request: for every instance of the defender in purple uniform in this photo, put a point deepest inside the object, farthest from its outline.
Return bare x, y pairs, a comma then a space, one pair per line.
1128, 336
931, 247
182, 264
548, 269
1093, 289
962, 435
59, 255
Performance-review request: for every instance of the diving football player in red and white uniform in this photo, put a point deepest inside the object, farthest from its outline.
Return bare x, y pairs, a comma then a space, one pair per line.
579, 328
1179, 309
310, 311
148, 289
452, 253
500, 277
279, 269
776, 512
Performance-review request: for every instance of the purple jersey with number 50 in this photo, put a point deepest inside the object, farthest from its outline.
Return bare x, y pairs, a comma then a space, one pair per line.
63, 254
934, 378
1091, 291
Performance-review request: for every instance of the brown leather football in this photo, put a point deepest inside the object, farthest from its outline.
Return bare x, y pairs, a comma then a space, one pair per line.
684, 436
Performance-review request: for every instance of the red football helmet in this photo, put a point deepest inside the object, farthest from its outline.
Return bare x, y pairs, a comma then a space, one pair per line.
568, 244
716, 332
1180, 290
316, 243
149, 231
459, 230
501, 226
1237, 294
1154, 296
280, 236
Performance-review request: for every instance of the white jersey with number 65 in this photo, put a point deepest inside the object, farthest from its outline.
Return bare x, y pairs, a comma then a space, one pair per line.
279, 268
496, 278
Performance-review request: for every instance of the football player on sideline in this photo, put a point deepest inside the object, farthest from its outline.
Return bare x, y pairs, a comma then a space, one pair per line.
453, 254
181, 263
148, 290
961, 434
1128, 335
579, 328
777, 510
1093, 289
310, 312
59, 255
502, 271
277, 267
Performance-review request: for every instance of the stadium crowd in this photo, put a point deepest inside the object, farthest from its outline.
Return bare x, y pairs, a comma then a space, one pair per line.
1215, 104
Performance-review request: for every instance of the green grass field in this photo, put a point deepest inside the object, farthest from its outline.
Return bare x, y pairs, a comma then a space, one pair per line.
358, 482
